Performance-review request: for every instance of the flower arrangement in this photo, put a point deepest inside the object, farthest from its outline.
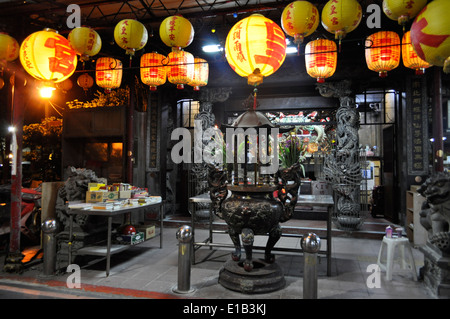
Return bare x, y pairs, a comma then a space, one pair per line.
291, 150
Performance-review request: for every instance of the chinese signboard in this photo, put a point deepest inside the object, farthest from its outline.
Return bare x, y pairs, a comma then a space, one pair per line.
417, 128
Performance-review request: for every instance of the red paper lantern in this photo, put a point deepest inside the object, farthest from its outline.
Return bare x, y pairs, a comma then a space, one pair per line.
85, 81
108, 73
153, 72
180, 69
383, 52
410, 58
201, 74
321, 59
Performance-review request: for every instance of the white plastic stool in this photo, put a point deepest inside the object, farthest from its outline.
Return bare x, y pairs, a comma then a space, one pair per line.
391, 244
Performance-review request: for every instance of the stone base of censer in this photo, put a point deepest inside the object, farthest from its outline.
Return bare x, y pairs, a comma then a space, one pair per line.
264, 277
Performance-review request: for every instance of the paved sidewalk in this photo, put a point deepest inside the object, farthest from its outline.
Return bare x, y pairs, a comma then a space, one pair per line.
146, 271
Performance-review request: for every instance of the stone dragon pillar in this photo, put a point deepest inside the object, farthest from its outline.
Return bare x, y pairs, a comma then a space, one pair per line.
342, 167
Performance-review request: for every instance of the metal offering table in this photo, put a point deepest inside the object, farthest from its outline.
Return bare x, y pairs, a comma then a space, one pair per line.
304, 200
109, 249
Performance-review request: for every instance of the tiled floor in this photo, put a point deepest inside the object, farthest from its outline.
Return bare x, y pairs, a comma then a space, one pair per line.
147, 268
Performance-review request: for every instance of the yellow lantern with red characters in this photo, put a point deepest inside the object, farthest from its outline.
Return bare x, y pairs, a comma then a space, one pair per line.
409, 56
108, 73
48, 56
402, 10
153, 71
85, 41
180, 69
299, 19
321, 59
130, 35
85, 81
201, 74
176, 32
255, 48
9, 49
382, 52
341, 17
430, 34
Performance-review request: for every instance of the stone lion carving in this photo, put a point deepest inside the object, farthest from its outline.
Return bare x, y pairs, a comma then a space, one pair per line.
435, 214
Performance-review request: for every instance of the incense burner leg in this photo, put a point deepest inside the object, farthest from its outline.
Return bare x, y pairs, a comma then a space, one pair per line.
248, 238
274, 236
236, 255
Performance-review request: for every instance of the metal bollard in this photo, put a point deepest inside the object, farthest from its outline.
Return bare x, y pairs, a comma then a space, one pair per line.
311, 246
184, 236
49, 228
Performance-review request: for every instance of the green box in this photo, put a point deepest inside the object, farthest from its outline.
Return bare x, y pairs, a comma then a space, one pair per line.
131, 239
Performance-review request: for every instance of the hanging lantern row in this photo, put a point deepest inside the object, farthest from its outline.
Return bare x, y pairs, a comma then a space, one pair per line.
49, 57
181, 69
383, 52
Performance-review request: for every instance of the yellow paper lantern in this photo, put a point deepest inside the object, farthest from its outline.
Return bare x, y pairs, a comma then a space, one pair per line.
430, 34
402, 10
180, 69
85, 41
201, 74
176, 32
255, 48
410, 58
382, 52
153, 72
9, 49
321, 59
108, 73
85, 81
48, 56
299, 19
130, 35
341, 17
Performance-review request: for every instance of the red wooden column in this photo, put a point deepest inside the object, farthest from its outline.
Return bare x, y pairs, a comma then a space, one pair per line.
13, 262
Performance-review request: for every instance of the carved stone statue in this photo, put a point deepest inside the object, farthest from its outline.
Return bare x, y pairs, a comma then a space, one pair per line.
435, 217
435, 214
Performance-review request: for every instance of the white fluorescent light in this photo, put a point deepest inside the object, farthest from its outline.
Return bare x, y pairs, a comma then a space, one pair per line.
291, 49
212, 48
